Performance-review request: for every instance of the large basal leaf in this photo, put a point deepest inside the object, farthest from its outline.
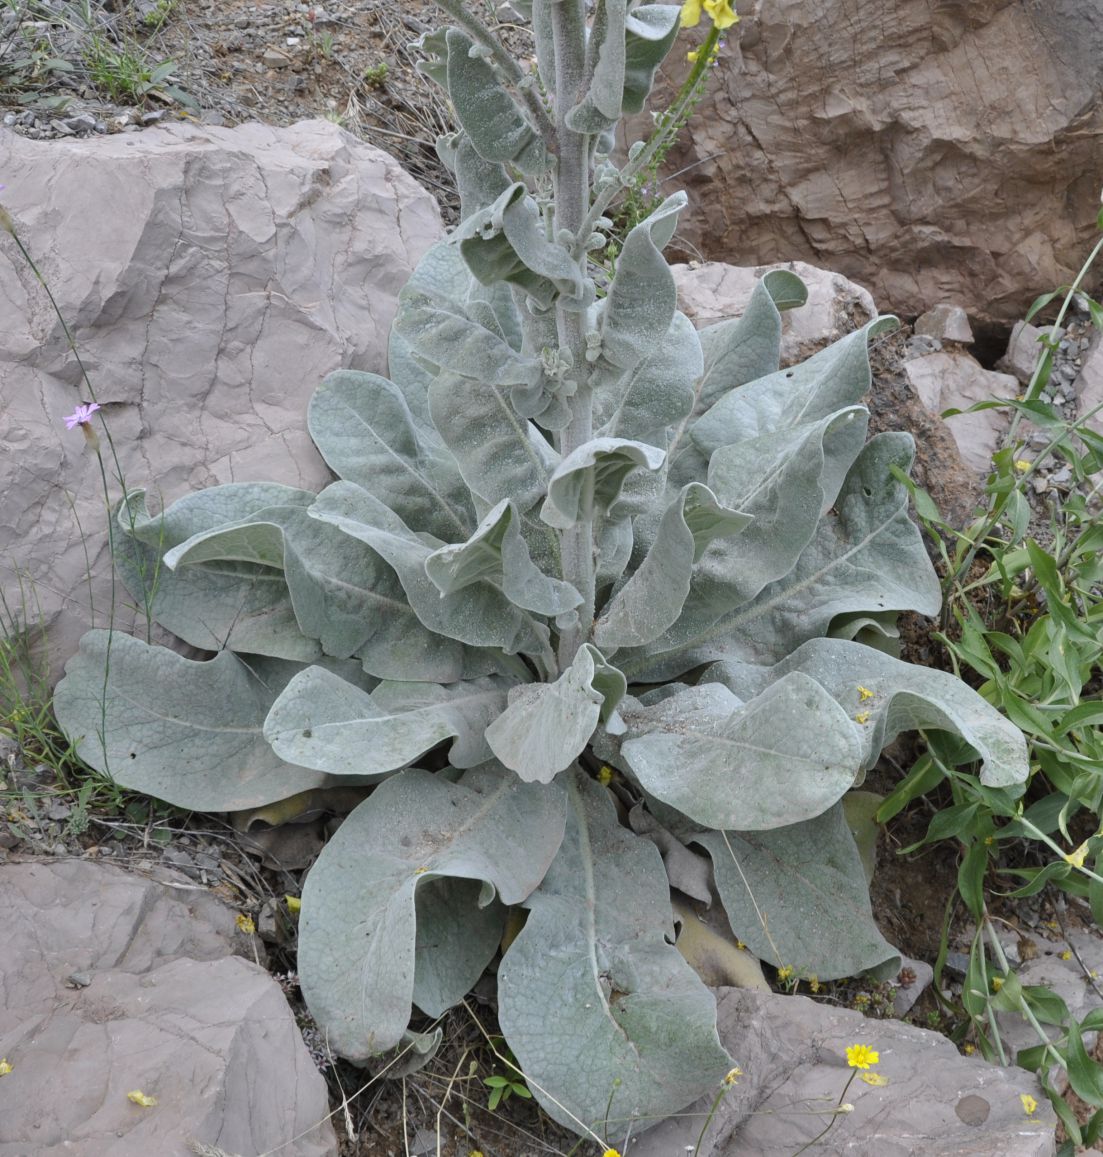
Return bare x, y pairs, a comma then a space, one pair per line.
365, 431
358, 929
342, 594
589, 480
240, 606
610, 1025
489, 115
500, 454
320, 721
743, 349
830, 381
642, 297
547, 725
867, 557
186, 732
498, 554
456, 940
657, 393
478, 615
797, 896
784, 756
653, 597
887, 697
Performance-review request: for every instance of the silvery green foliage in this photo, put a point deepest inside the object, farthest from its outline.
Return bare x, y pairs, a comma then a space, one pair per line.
567, 530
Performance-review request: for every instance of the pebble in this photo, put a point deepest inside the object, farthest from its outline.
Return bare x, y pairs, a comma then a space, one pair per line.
275, 59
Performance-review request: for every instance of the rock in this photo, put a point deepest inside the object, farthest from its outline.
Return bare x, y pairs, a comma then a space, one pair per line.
945, 323
274, 58
1022, 352
1089, 388
910, 146
793, 1055
956, 380
226, 273
835, 306
160, 1006
911, 982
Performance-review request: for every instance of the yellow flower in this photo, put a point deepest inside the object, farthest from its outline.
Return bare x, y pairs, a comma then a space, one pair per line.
247, 926
997, 983
1030, 1105
294, 905
610, 1153
741, 946
721, 13
692, 56
732, 1076
874, 1079
5, 1067
864, 693
1022, 465
1066, 955
420, 871
691, 17
1077, 858
140, 1098
969, 1049
862, 717
814, 983
861, 1056
605, 775
785, 972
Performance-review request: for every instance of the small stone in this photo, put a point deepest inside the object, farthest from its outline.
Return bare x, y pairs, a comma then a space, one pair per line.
78, 980
81, 123
274, 58
945, 323
9, 119
973, 1110
149, 118
61, 128
241, 22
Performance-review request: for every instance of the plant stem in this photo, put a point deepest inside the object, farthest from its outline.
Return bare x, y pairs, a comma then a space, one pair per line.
571, 202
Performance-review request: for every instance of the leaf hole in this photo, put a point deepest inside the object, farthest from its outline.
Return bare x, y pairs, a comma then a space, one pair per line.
307, 733
867, 492
133, 755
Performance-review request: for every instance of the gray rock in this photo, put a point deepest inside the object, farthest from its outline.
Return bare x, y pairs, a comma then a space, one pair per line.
793, 1055
1022, 351
1089, 387
956, 380
233, 269
159, 1006
945, 323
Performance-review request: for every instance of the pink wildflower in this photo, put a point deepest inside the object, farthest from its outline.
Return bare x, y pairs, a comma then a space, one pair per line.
81, 416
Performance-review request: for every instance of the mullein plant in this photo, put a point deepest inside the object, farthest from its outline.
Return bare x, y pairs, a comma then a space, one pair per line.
589, 582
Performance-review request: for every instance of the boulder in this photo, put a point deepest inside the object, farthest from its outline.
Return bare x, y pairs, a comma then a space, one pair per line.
211, 278
792, 1052
956, 380
934, 150
113, 984
945, 323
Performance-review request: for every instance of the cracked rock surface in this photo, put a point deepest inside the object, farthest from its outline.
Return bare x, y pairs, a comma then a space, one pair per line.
793, 1055
211, 278
111, 983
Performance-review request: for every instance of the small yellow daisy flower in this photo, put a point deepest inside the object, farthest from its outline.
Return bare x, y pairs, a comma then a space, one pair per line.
5, 1067
732, 1076
610, 1153
741, 946
874, 1079
246, 925
862, 1056
969, 1049
294, 905
1066, 955
862, 717
605, 775
140, 1098
785, 972
1022, 465
997, 983
1030, 1105
864, 693
814, 983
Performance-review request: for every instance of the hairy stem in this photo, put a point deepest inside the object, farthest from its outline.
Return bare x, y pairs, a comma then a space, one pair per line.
572, 196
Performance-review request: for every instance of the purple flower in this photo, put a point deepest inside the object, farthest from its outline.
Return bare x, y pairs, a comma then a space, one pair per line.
81, 416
